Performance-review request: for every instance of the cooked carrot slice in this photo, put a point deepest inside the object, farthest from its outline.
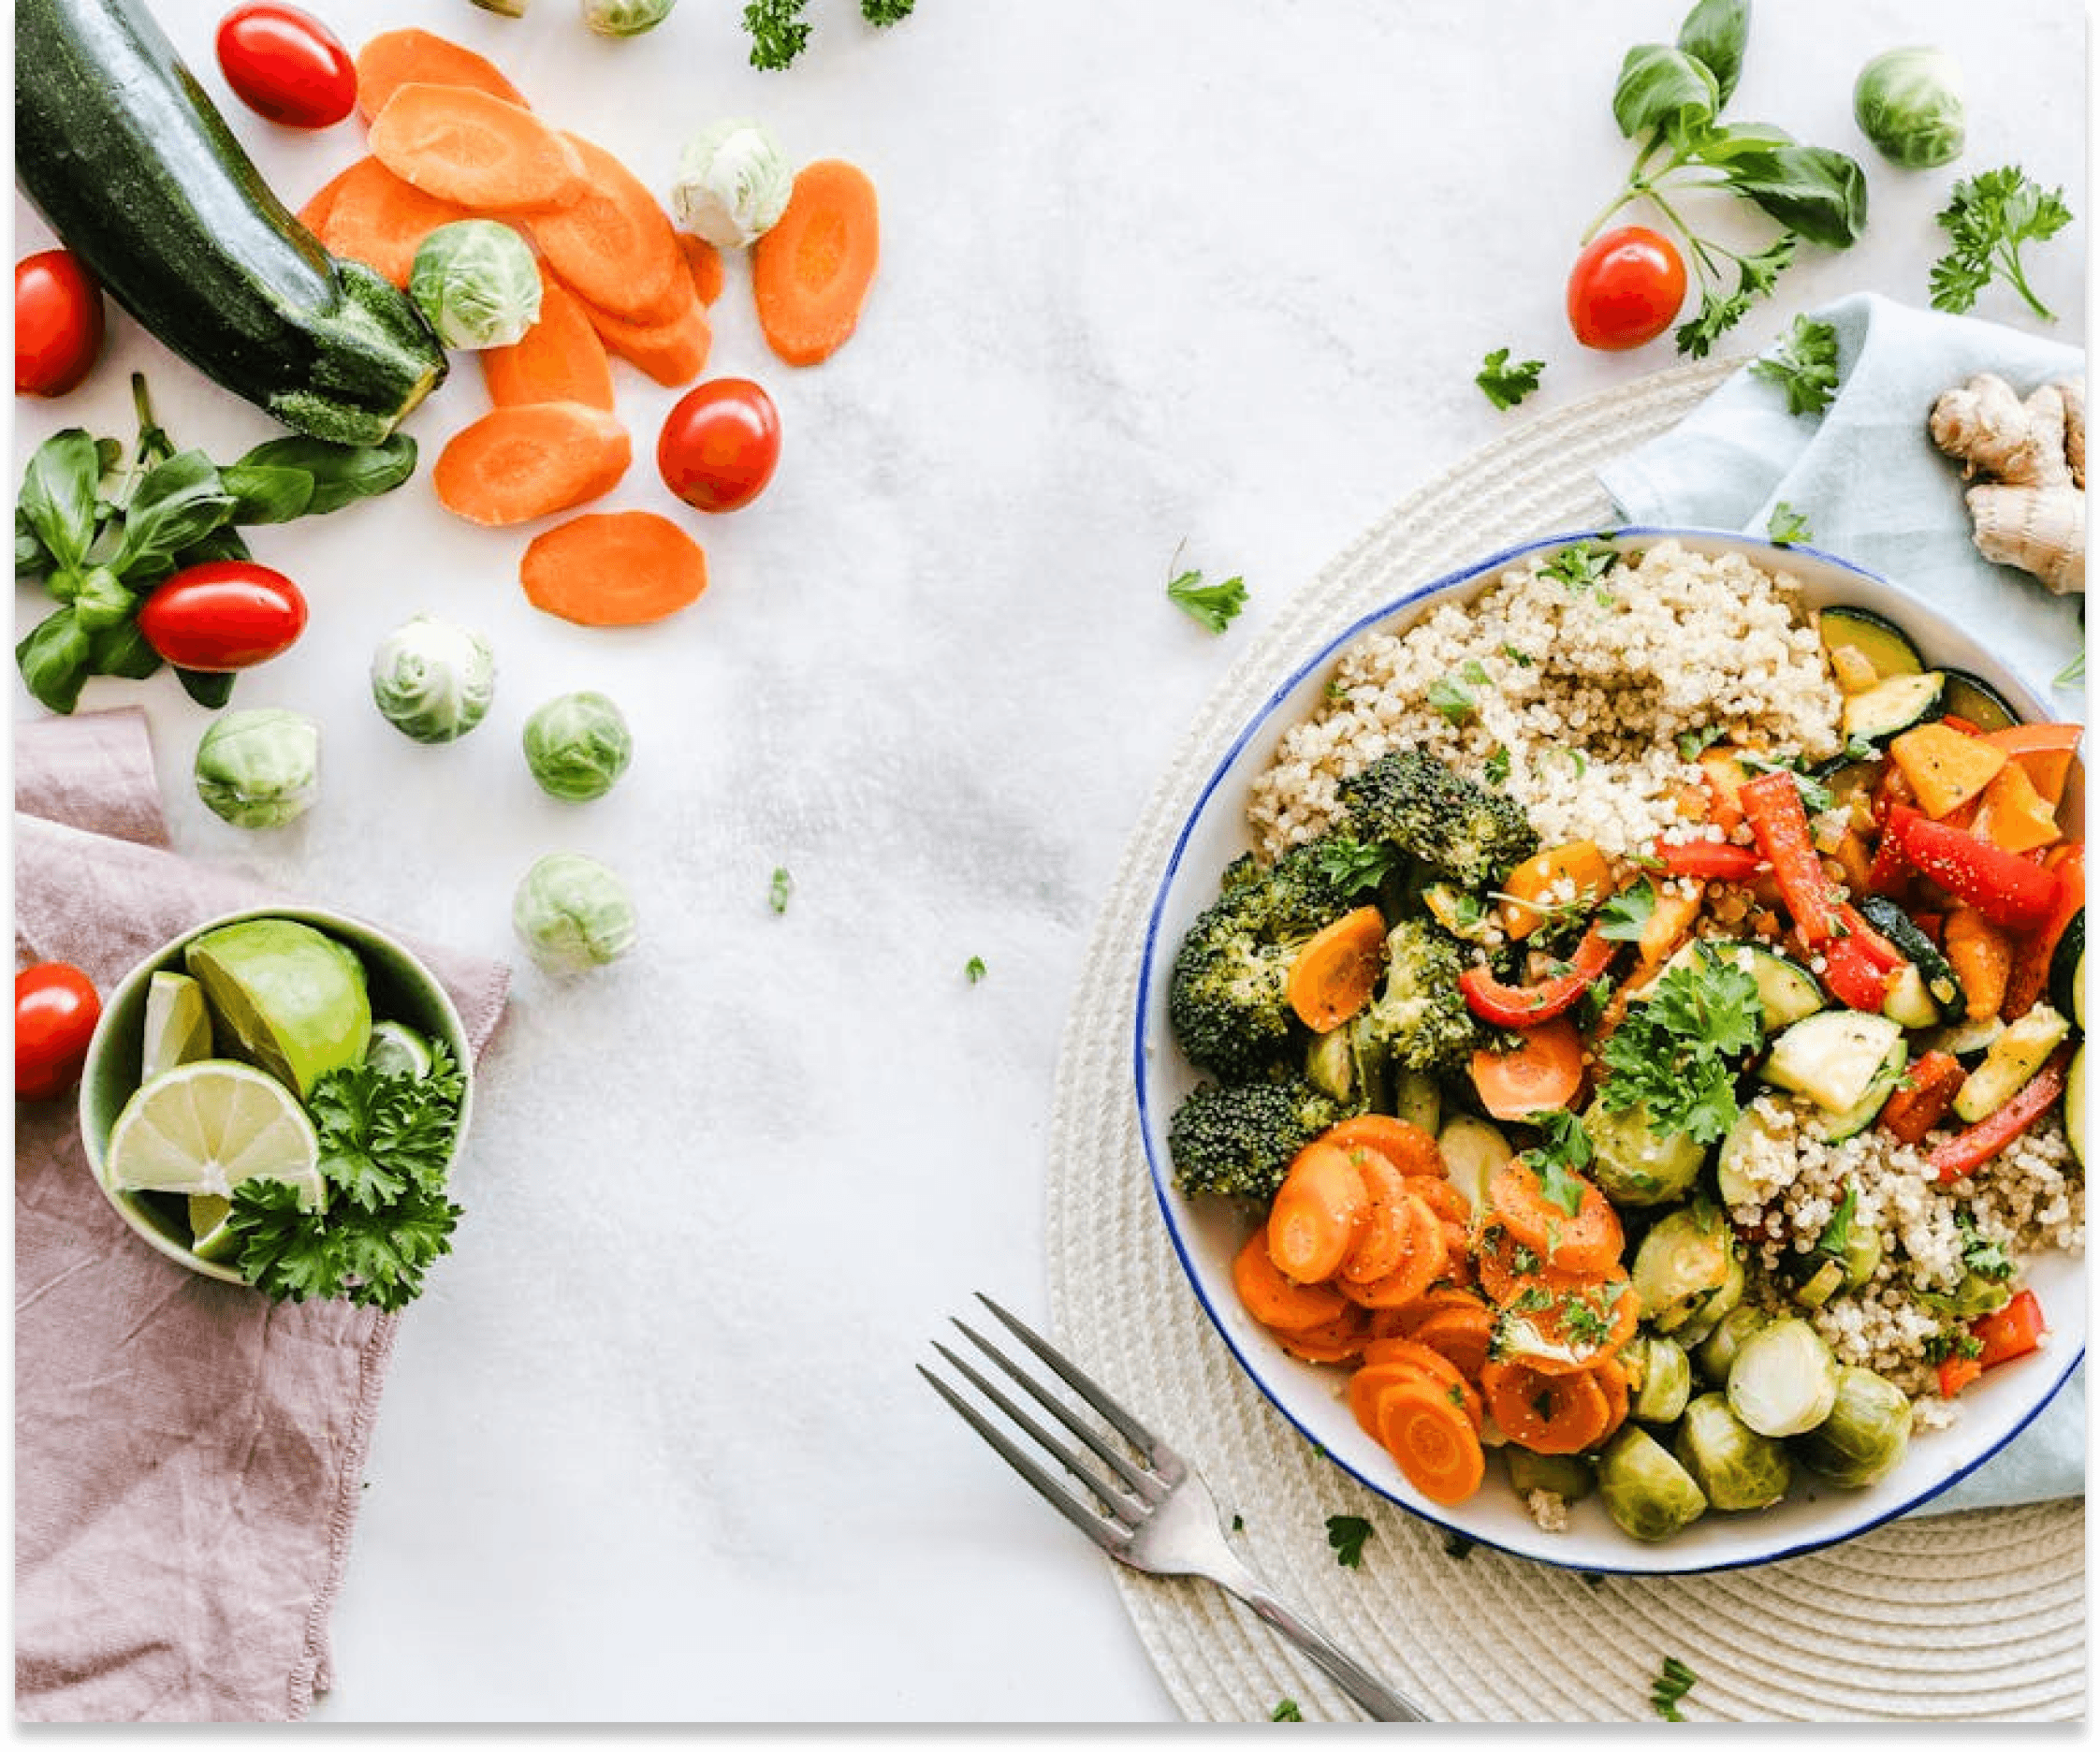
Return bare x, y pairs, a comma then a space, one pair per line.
810, 273
1406, 1146
1333, 976
1369, 1382
1381, 1241
1317, 1214
614, 568
1435, 1444
672, 353
703, 260
518, 464
1442, 1197
1425, 1259
395, 58
374, 217
1542, 1069
1547, 1413
1463, 1332
1400, 1322
1559, 1330
463, 145
1338, 1340
558, 358
1587, 1238
1272, 1299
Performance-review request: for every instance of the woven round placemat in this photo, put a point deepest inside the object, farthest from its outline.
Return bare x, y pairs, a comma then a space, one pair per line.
1973, 1616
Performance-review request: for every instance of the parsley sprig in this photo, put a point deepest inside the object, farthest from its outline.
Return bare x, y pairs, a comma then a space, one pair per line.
1505, 384
1989, 217
1804, 364
1217, 606
1676, 1052
1347, 1534
779, 32
1671, 1687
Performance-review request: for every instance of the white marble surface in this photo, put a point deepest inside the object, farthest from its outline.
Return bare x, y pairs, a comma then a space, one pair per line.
1174, 275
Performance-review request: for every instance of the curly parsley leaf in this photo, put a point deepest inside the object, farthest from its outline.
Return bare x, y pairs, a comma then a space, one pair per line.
1353, 864
1505, 383
1583, 565
1671, 1687
1804, 365
1217, 606
1286, 1710
1989, 217
1626, 915
884, 13
778, 30
1786, 525
1347, 1534
1676, 1051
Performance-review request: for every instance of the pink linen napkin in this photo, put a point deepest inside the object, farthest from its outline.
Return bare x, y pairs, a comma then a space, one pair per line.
188, 1453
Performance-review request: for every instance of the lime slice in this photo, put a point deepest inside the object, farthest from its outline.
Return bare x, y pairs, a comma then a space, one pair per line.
397, 1050
214, 1237
205, 1127
178, 1026
286, 996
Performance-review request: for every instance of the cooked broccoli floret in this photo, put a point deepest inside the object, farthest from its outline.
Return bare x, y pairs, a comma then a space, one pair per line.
1238, 1138
1469, 832
1226, 1002
1419, 1019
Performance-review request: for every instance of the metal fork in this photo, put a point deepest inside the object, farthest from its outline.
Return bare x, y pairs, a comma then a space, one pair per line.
1153, 1513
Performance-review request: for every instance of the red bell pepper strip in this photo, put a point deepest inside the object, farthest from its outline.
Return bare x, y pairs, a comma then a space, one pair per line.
1772, 802
1525, 1006
1920, 1103
1957, 1372
2007, 890
1967, 1151
1888, 869
1853, 976
2011, 1331
1712, 860
2034, 952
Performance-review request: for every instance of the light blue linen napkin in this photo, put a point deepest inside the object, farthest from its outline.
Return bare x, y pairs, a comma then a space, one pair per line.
1873, 488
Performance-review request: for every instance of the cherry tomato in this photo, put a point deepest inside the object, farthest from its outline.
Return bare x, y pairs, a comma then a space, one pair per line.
58, 323
1626, 289
720, 444
224, 614
55, 1013
287, 66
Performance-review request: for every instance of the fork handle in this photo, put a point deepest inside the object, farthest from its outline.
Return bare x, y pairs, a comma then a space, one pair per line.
1373, 1696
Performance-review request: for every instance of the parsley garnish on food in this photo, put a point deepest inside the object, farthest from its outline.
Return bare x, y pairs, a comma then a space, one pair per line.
1498, 767
1214, 604
1989, 217
1671, 1686
1691, 744
1786, 525
1347, 1533
384, 1142
1353, 864
1504, 384
1581, 566
1804, 365
1987, 1259
1626, 915
1675, 1051
1452, 694
1837, 1234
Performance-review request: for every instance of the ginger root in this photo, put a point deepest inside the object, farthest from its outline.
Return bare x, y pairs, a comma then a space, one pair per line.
2029, 507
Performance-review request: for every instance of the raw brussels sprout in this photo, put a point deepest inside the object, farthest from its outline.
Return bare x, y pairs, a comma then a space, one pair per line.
1569, 1477
1645, 1489
477, 283
1909, 103
573, 914
1734, 1466
578, 745
259, 768
1634, 1163
432, 681
733, 184
1688, 1267
1865, 1437
1783, 1380
1662, 1379
1716, 1353
625, 18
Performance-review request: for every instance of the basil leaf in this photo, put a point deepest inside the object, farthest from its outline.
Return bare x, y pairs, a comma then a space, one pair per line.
343, 473
54, 661
207, 688
58, 490
32, 559
102, 600
1714, 34
180, 501
122, 650
1660, 86
263, 495
224, 543
1718, 145
1814, 190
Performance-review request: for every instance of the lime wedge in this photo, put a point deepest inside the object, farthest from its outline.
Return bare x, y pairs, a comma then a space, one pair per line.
397, 1050
285, 997
204, 1128
214, 1237
178, 1026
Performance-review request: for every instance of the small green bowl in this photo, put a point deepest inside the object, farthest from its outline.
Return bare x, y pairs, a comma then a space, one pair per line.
401, 985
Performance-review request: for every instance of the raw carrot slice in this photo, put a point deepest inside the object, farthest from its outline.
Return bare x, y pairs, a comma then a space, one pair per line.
1424, 1260
558, 358
1316, 1214
1272, 1299
1585, 1239
463, 145
614, 568
1437, 1447
395, 58
1546, 1413
374, 217
703, 260
614, 245
1406, 1146
313, 214
672, 353
811, 271
1335, 974
518, 464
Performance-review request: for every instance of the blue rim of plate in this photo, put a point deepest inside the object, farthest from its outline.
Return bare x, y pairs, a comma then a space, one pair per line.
1161, 1174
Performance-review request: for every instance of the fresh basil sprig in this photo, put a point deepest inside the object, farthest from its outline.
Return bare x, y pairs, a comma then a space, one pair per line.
100, 533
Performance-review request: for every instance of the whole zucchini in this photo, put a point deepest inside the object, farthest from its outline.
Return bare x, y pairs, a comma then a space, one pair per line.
125, 156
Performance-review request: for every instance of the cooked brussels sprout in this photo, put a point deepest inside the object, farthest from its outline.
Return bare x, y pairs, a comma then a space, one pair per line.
259, 768
504, 8
1716, 1353
1866, 1435
573, 914
1783, 1380
1645, 1489
432, 681
733, 183
477, 283
625, 18
578, 745
1662, 1377
1862, 1255
1635, 1164
1909, 103
1734, 1466
1569, 1477
1688, 1267
1976, 1293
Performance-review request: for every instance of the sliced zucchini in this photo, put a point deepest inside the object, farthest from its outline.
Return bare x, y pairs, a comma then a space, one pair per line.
1825, 1279
1737, 1187
1835, 1057
1856, 1118
1973, 699
1891, 707
1966, 1039
1942, 985
2014, 1058
2074, 1105
1786, 989
2066, 970
1474, 1153
1909, 1002
1880, 641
